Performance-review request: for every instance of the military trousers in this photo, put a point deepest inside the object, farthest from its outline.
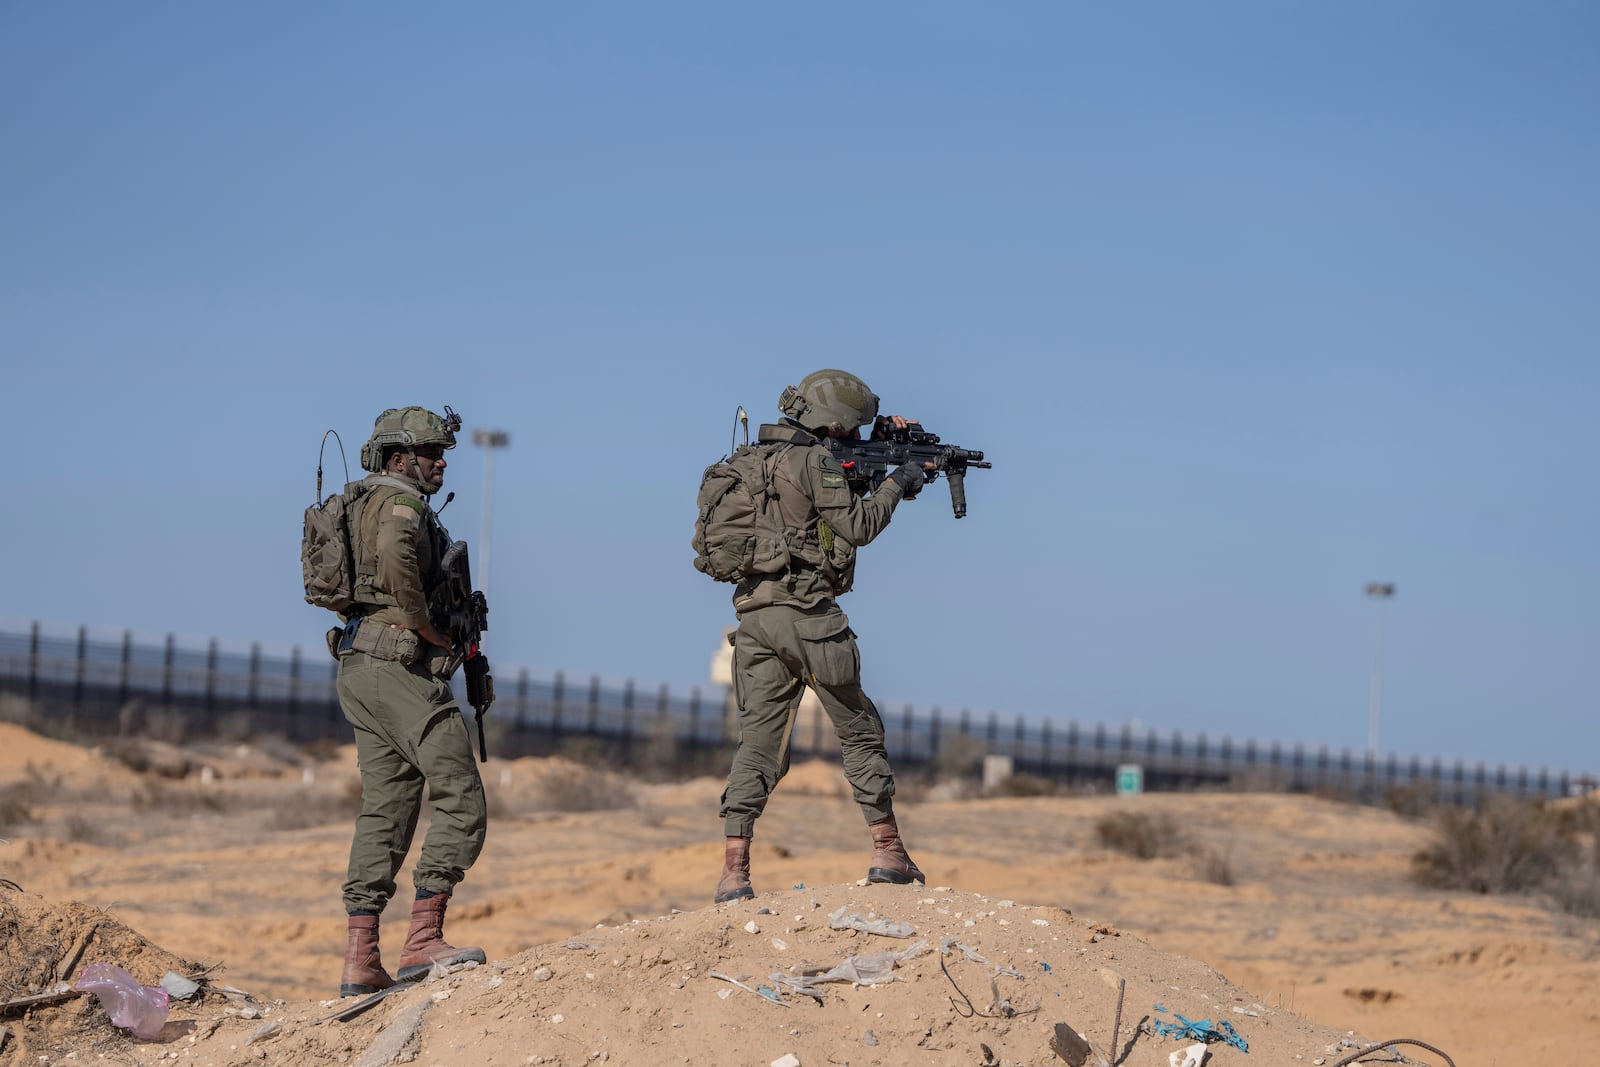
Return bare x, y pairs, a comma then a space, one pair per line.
411, 741
778, 650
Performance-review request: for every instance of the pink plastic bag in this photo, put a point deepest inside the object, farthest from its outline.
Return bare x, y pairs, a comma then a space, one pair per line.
140, 1008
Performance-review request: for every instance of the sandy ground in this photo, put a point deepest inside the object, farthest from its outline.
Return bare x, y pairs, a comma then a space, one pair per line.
232, 859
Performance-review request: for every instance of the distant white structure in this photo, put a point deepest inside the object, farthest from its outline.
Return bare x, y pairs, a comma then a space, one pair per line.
996, 769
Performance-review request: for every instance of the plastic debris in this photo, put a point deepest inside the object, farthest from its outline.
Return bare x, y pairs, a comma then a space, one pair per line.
857, 970
1045, 965
1193, 1056
966, 950
140, 1008
763, 993
178, 987
1205, 1030
856, 921
788, 1059
264, 1031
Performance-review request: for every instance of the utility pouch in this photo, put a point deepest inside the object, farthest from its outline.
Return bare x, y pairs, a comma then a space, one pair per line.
384, 642
334, 637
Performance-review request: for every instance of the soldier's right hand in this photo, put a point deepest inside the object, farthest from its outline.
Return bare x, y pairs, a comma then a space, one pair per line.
909, 477
431, 634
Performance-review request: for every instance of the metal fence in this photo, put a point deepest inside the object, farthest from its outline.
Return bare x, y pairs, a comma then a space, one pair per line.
75, 686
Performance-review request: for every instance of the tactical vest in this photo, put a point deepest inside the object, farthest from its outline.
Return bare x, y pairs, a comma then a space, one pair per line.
336, 554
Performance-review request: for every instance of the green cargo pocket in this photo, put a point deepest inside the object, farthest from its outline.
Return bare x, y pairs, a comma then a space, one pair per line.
829, 648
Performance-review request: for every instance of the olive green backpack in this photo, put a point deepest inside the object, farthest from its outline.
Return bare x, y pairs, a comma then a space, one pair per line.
737, 533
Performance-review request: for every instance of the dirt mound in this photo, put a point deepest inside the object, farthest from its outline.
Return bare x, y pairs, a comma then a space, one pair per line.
43, 945
939, 976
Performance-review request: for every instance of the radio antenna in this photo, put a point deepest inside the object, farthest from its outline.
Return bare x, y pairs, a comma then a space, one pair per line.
335, 435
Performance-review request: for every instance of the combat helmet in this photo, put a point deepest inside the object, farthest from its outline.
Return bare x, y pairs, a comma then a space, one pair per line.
408, 428
830, 400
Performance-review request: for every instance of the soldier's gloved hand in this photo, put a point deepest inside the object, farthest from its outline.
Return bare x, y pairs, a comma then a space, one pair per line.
908, 476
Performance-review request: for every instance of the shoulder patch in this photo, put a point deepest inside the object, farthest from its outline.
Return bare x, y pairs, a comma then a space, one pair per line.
832, 472
402, 502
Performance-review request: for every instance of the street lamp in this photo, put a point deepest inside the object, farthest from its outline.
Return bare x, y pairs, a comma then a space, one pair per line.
1379, 592
488, 440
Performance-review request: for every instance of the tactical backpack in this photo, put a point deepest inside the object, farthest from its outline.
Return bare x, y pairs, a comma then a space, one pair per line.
737, 533
327, 550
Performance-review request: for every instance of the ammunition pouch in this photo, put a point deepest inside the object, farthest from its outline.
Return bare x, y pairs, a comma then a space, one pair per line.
382, 642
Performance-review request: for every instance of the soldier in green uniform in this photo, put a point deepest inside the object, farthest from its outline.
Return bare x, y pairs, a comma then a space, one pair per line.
393, 686
792, 634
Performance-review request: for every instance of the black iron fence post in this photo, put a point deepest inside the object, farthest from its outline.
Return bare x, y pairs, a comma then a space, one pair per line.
78, 671
166, 671
627, 719
211, 679
123, 677
255, 676
291, 727
33, 661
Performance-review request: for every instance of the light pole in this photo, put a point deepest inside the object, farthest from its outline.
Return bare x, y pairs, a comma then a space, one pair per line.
488, 440
1379, 592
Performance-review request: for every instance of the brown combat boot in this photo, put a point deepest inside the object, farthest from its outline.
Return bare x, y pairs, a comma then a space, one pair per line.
735, 883
425, 943
890, 862
363, 970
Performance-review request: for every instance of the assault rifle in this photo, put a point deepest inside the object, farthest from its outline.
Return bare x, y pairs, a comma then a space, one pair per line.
461, 613
867, 463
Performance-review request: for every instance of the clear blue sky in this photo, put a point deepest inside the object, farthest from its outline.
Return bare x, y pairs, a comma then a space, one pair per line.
1250, 304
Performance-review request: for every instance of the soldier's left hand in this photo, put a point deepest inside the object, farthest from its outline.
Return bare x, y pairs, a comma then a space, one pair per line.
884, 423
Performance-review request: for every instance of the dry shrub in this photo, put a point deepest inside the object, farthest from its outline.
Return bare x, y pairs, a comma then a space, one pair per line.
1576, 889
1139, 835
19, 710
149, 757
1214, 866
319, 807
572, 787
958, 757
1509, 846
89, 832
16, 806
155, 795
1022, 785
1414, 800
19, 799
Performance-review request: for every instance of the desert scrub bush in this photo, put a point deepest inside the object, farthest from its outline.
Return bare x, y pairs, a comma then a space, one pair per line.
156, 795
1138, 835
86, 831
1213, 865
1414, 800
1576, 889
1509, 846
319, 807
1022, 785
19, 710
16, 806
573, 787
